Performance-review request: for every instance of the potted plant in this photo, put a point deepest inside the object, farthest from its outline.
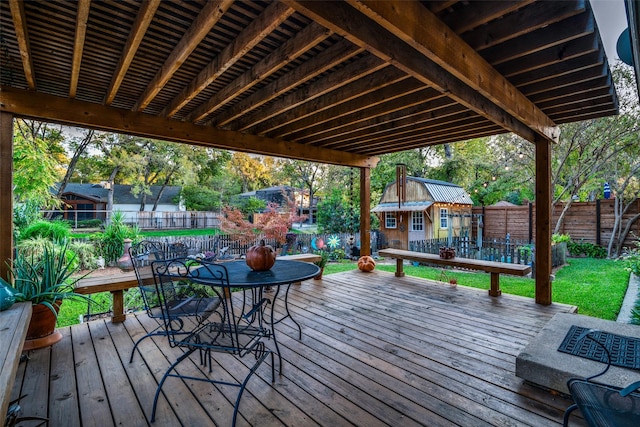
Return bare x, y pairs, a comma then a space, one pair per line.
45, 279
324, 258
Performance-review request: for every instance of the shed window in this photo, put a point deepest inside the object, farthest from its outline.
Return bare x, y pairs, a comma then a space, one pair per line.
444, 218
390, 220
417, 221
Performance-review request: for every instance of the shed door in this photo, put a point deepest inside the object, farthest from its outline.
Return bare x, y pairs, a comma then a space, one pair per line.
416, 226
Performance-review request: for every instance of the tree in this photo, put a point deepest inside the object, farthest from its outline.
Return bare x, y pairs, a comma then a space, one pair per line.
271, 224
37, 155
303, 174
253, 172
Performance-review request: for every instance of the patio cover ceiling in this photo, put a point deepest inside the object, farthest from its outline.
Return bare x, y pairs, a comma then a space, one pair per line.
339, 83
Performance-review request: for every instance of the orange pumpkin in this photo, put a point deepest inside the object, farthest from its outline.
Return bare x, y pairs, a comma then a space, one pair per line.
366, 263
260, 257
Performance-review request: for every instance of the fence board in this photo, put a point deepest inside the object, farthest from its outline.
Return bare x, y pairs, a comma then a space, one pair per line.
580, 222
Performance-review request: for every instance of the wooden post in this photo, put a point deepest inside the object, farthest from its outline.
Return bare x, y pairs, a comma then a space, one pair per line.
598, 213
6, 193
365, 208
543, 222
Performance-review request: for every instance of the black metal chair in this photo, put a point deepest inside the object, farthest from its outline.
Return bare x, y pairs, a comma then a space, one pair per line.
601, 404
185, 287
142, 255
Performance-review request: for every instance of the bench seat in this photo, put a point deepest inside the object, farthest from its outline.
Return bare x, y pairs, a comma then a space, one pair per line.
492, 267
14, 323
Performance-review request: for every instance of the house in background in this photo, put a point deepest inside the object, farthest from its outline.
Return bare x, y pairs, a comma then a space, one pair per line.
431, 210
89, 201
281, 194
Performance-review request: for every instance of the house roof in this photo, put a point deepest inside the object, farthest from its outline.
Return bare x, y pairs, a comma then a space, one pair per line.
334, 82
122, 193
440, 191
445, 192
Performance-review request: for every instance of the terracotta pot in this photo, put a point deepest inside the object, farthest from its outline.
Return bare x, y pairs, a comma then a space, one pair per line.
42, 328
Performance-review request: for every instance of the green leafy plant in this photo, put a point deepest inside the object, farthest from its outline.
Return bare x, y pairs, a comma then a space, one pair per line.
45, 278
559, 238
324, 258
585, 248
632, 260
110, 243
56, 231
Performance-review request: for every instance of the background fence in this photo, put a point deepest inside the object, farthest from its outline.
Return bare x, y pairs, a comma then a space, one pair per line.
591, 222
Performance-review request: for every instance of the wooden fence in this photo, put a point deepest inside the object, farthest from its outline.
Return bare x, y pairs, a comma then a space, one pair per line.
590, 222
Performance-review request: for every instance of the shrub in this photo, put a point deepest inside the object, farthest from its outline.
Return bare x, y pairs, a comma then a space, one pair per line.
559, 238
56, 231
110, 243
85, 253
585, 248
632, 261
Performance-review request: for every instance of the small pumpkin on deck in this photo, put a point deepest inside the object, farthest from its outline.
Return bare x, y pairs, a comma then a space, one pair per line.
366, 264
261, 257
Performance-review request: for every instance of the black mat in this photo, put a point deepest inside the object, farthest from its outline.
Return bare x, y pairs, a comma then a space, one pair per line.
625, 351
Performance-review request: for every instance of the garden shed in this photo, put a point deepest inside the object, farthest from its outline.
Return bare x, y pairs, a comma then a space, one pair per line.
432, 209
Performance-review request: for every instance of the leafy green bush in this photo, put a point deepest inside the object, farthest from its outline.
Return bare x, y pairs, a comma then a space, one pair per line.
110, 243
559, 238
85, 253
56, 231
585, 248
632, 261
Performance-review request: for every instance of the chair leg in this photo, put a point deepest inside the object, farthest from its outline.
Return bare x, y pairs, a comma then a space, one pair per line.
253, 369
164, 377
567, 414
155, 332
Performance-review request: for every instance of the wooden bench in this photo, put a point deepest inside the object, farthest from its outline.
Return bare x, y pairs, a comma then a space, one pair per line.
495, 268
119, 283
115, 284
14, 323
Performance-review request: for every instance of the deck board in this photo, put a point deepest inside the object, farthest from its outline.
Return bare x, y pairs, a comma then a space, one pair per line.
376, 350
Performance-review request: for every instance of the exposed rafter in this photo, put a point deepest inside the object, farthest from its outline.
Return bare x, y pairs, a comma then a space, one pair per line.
444, 47
143, 20
22, 34
208, 17
260, 28
78, 46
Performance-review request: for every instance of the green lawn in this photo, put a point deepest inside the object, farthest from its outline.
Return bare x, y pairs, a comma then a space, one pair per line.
596, 286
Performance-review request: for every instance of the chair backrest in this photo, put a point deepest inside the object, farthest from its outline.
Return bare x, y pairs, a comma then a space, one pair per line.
142, 255
192, 288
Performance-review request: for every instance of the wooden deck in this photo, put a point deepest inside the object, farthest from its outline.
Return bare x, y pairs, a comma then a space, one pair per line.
376, 350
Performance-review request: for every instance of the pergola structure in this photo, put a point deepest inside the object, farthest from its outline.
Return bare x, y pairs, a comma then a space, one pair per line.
334, 82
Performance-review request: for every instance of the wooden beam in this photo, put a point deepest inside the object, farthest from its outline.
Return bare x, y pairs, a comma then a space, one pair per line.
270, 19
422, 30
6, 192
356, 108
478, 14
359, 29
206, 20
78, 45
85, 114
405, 93
143, 20
543, 223
264, 120
322, 62
365, 211
307, 38
22, 35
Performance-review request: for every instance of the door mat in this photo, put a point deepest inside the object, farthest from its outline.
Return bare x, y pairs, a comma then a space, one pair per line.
625, 351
